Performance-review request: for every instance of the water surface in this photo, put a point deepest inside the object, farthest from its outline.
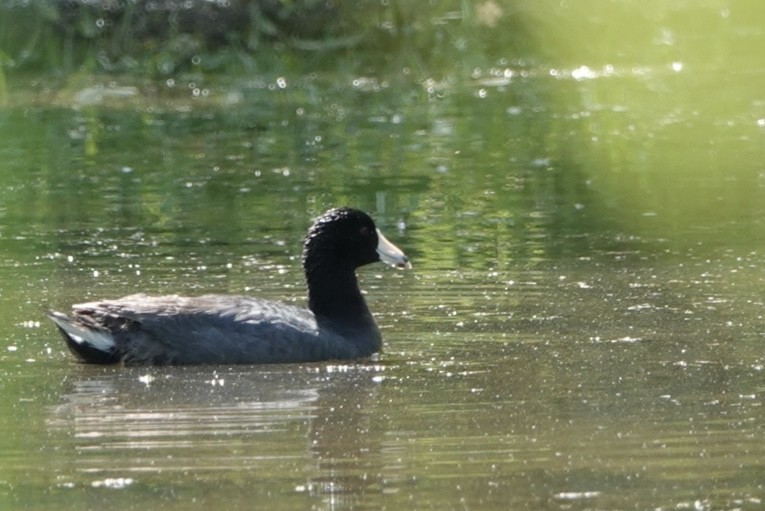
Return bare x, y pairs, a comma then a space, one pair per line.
582, 329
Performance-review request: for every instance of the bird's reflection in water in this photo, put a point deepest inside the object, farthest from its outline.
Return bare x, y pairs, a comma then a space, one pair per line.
309, 427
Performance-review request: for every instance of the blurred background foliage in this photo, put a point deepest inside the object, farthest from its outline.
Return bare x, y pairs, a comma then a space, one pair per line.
165, 37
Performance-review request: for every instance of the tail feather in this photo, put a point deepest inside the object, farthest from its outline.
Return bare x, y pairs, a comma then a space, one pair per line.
90, 344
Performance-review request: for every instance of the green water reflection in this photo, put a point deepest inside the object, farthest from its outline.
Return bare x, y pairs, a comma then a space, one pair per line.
582, 330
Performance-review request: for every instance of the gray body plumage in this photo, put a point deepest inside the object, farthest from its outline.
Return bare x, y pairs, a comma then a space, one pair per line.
210, 329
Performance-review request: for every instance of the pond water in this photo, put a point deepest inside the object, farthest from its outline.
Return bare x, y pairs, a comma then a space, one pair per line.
583, 327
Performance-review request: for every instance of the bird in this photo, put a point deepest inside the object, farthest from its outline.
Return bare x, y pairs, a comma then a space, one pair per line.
233, 329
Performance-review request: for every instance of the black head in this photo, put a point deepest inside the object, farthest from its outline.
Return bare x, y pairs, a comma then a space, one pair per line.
348, 238
344, 236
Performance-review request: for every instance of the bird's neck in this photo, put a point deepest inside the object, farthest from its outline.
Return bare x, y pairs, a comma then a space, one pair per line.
336, 300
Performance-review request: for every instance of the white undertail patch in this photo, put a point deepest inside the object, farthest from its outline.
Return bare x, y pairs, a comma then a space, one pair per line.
82, 334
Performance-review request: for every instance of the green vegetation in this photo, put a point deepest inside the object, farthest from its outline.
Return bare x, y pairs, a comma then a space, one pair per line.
163, 39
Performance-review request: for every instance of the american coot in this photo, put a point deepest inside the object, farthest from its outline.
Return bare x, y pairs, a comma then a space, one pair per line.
224, 329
